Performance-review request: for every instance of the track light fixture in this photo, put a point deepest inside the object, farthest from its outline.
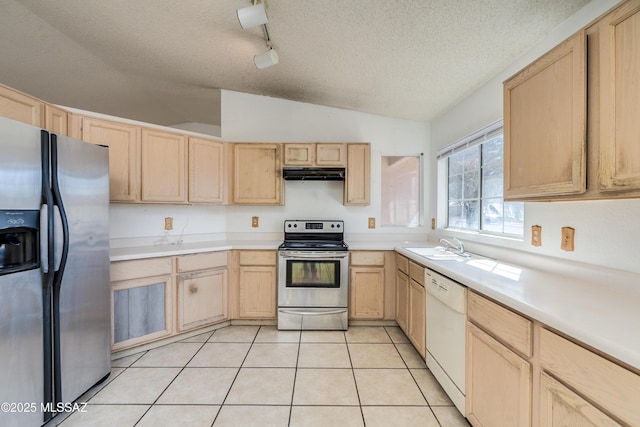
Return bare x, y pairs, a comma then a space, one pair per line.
252, 16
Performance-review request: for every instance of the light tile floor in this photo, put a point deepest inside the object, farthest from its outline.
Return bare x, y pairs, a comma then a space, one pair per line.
258, 376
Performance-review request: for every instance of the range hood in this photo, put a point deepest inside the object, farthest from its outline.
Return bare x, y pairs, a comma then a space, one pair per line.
313, 174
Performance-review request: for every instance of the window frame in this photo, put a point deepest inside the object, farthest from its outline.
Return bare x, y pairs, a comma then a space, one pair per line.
476, 139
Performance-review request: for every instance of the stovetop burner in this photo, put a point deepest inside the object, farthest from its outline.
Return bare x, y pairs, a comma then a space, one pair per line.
314, 235
314, 245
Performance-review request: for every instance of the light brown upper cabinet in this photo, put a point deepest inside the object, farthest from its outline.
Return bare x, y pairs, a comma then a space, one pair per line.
315, 155
206, 171
257, 174
358, 182
164, 160
16, 105
55, 120
545, 107
618, 42
124, 159
547, 155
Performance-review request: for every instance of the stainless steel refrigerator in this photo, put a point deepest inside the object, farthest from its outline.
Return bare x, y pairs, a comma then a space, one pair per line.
55, 322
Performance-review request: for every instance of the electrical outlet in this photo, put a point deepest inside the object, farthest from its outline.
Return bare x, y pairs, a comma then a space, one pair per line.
255, 221
536, 235
567, 238
168, 223
372, 223
433, 223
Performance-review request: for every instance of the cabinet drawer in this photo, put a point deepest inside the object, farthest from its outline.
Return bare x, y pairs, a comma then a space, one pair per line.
202, 261
402, 263
509, 327
367, 258
416, 272
258, 257
125, 270
612, 387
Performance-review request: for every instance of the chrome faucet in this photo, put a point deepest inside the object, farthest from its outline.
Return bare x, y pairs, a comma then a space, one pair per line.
447, 244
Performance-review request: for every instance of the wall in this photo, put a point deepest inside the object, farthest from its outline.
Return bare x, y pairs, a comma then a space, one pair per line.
607, 233
253, 118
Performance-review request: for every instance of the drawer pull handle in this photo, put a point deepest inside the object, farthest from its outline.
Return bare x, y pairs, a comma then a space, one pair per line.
193, 288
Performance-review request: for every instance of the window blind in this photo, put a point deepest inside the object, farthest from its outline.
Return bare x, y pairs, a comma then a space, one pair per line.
483, 135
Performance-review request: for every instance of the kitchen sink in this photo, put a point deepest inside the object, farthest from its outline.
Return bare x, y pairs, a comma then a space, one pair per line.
439, 253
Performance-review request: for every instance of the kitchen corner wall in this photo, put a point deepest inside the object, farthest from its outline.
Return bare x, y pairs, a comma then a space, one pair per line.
607, 231
253, 118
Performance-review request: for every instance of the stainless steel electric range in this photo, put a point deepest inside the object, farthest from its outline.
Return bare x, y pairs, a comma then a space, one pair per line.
313, 276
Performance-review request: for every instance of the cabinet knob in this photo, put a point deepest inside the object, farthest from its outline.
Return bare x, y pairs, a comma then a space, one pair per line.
193, 288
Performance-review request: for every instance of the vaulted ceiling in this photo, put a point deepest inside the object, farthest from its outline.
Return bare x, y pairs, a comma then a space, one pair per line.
165, 61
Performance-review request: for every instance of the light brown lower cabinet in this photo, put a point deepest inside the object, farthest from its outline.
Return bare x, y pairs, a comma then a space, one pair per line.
402, 300
257, 285
416, 310
202, 289
157, 298
561, 406
366, 285
498, 382
142, 302
520, 373
597, 381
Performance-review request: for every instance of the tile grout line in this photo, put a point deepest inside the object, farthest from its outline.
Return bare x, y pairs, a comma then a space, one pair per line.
295, 375
171, 382
413, 377
355, 382
236, 376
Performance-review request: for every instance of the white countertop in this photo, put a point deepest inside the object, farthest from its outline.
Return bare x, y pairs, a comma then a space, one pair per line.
154, 251
595, 305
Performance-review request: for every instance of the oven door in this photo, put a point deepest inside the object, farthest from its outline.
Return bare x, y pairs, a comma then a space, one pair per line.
313, 279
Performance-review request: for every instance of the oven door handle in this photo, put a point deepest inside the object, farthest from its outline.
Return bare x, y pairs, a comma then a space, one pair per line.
313, 256
312, 313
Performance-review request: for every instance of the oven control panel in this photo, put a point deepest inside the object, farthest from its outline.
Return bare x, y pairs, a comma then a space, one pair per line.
297, 226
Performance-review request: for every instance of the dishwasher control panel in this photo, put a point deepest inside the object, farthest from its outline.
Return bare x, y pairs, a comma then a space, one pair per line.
450, 292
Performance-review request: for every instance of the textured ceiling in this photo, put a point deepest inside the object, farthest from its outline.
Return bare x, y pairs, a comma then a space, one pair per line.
163, 61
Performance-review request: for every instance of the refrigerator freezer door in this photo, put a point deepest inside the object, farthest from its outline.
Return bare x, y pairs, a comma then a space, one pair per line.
85, 295
21, 348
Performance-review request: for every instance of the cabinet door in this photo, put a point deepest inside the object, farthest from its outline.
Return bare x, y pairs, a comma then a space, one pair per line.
545, 124
331, 154
257, 292
124, 158
402, 300
498, 382
257, 174
202, 298
417, 316
366, 289
358, 181
619, 98
560, 406
141, 311
299, 154
55, 120
206, 171
18, 106
163, 166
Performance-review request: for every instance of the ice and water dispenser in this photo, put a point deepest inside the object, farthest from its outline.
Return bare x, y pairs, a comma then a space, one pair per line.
19, 243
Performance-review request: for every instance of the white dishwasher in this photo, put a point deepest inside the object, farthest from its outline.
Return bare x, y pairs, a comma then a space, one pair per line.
446, 307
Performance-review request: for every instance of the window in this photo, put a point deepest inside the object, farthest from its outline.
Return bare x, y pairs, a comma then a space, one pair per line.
401, 189
475, 185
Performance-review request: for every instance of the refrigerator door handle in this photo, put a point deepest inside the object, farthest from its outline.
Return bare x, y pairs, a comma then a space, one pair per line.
59, 272
61, 217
